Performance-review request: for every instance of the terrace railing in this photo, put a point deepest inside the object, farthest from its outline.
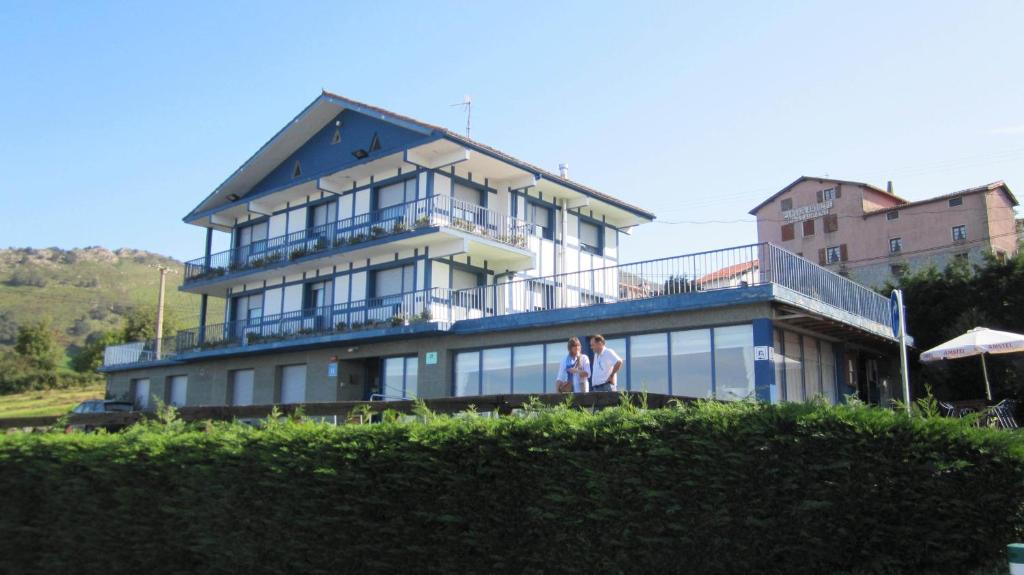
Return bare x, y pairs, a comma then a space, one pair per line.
435, 211
729, 268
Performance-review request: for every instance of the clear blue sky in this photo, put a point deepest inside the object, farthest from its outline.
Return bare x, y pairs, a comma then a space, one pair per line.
117, 118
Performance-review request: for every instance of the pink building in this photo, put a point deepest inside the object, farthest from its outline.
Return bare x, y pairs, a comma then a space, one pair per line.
872, 235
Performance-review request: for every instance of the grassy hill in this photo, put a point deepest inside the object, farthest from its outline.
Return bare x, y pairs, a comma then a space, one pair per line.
87, 290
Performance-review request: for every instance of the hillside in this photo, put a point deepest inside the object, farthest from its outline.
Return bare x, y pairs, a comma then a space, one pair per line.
87, 290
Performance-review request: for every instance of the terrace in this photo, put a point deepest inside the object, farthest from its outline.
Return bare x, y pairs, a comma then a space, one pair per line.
679, 282
441, 215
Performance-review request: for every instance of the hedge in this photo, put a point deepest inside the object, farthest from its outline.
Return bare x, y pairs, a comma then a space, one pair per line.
705, 488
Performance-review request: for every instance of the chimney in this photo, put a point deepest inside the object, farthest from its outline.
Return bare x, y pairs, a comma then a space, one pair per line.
563, 170
888, 187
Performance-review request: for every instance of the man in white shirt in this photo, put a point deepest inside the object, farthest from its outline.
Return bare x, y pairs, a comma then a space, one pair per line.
606, 365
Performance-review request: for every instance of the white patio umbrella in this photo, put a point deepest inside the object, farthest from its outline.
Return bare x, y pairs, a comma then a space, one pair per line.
977, 341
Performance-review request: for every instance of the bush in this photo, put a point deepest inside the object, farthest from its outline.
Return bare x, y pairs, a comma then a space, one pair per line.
709, 489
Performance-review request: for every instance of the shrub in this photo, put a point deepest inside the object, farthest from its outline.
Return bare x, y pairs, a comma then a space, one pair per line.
710, 488
377, 231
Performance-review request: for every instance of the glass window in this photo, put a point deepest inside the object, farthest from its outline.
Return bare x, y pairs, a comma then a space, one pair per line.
895, 245
397, 193
828, 194
893, 215
957, 201
412, 373
590, 237
323, 214
393, 281
554, 353
812, 368
648, 363
786, 204
828, 372
497, 374
528, 369
734, 362
794, 367
316, 295
833, 254
540, 217
959, 233
779, 363
467, 373
249, 307
691, 363
619, 345
394, 378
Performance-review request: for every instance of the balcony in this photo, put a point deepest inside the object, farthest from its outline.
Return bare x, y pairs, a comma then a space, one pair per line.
500, 237
793, 280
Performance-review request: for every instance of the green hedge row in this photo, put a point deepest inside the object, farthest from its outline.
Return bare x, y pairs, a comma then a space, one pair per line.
707, 488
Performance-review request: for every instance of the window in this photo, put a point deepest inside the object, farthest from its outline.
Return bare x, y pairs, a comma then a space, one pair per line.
808, 228
393, 281
893, 215
834, 254
788, 232
297, 170
496, 376
249, 235
590, 237
812, 368
249, 307
648, 360
959, 233
734, 362
541, 217
467, 373
322, 214
177, 387
895, 245
787, 204
794, 366
831, 223
957, 201
528, 367
554, 353
397, 193
828, 372
242, 387
961, 257
828, 194
468, 194
293, 384
374, 143
399, 378
317, 295
336, 138
691, 363
898, 270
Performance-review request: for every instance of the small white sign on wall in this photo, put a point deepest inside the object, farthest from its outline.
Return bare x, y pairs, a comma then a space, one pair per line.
430, 358
762, 353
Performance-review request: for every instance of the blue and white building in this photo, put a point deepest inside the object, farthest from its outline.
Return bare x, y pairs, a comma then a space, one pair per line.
376, 256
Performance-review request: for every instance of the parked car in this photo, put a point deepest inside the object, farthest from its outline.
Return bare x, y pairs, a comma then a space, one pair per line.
99, 406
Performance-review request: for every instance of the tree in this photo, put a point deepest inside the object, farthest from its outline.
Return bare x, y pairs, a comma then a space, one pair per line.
36, 343
90, 357
140, 324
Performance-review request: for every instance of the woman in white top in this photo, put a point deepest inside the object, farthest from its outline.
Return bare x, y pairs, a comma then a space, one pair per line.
574, 373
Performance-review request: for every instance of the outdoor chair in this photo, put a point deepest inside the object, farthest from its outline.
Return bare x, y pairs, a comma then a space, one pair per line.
948, 409
1004, 412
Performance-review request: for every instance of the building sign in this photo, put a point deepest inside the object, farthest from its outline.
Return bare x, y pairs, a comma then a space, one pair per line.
807, 212
332, 369
762, 353
430, 358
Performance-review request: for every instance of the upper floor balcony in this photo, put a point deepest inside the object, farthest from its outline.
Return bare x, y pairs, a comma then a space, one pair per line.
745, 274
444, 224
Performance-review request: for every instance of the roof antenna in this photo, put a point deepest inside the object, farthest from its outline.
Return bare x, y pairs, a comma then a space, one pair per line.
467, 103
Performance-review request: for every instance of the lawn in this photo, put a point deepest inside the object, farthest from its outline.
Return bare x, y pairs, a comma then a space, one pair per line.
48, 402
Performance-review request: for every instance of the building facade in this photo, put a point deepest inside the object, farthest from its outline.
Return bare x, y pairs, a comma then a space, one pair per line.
874, 236
374, 256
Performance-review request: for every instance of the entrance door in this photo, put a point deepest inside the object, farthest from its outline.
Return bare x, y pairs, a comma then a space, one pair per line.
372, 379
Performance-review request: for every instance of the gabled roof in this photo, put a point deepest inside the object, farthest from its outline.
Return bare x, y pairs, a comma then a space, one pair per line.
754, 211
1000, 185
323, 109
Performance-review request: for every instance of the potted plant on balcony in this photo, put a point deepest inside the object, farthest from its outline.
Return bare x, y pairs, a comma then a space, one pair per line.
339, 242
399, 320
258, 263
341, 326
399, 227
377, 231
356, 239
298, 253
422, 222
273, 257
320, 245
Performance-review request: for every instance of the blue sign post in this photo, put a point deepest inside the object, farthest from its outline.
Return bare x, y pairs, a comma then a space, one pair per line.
898, 320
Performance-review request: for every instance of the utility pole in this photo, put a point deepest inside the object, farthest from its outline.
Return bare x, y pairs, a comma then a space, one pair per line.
160, 311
